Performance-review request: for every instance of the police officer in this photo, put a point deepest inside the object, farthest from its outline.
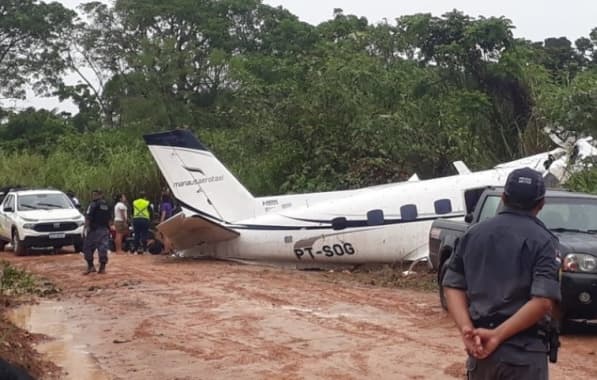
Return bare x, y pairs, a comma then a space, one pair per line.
142, 212
502, 283
98, 233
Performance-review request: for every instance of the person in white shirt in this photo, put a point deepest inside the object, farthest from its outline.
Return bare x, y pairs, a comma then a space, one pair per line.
121, 222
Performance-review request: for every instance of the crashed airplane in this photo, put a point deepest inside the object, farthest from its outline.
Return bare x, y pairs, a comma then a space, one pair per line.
380, 224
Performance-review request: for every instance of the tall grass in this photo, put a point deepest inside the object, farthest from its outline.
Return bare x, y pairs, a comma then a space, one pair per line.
112, 161
118, 161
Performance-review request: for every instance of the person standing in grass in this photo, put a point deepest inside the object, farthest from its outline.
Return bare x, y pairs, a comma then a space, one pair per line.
121, 222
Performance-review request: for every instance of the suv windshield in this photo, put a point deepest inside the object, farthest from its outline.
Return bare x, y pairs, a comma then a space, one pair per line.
43, 202
570, 214
559, 213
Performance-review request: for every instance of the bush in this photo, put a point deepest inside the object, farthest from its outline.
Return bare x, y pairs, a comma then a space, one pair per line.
585, 181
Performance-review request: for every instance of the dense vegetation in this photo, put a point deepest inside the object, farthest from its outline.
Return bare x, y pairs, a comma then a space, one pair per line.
288, 106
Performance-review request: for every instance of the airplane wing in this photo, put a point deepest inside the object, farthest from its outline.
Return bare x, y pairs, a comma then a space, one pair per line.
186, 232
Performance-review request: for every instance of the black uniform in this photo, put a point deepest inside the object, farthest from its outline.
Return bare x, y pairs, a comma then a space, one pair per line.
501, 263
98, 233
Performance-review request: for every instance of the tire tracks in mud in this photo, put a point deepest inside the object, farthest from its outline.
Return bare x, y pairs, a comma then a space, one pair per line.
218, 320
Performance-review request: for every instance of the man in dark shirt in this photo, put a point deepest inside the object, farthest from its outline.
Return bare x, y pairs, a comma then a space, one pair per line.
502, 283
98, 232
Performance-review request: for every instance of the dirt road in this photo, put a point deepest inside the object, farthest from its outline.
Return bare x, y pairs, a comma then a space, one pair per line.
162, 318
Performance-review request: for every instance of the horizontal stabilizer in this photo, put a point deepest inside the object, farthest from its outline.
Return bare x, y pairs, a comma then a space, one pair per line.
186, 232
461, 167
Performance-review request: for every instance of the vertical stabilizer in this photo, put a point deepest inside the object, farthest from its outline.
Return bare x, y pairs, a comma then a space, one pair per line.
197, 179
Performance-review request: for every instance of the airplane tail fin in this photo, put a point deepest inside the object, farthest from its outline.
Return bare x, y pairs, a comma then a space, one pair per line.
198, 180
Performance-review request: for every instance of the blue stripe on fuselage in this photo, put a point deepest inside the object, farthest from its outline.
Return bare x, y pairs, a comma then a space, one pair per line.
348, 223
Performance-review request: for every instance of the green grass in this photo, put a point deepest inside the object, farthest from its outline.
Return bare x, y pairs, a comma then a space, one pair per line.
15, 281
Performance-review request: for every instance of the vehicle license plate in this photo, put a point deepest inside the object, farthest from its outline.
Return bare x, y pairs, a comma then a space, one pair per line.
57, 236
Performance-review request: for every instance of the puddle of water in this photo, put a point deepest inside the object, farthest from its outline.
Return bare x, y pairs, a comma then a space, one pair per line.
50, 319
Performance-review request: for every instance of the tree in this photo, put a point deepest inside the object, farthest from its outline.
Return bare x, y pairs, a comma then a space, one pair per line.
169, 63
32, 37
33, 129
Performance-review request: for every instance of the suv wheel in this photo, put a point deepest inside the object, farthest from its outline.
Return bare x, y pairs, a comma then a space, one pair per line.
18, 245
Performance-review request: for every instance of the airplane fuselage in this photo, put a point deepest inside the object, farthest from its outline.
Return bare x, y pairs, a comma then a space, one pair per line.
377, 225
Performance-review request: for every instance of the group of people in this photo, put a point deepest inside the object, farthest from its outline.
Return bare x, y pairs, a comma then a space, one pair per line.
101, 219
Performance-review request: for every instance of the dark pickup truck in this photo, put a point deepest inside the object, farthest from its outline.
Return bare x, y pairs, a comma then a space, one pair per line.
572, 217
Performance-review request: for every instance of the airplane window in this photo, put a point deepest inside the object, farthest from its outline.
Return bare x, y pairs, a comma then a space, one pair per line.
443, 206
375, 218
339, 223
408, 213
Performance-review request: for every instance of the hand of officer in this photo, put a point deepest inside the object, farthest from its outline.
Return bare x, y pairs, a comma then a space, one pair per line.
472, 342
490, 341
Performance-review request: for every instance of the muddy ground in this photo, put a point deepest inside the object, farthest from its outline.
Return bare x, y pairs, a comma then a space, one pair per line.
17, 346
155, 317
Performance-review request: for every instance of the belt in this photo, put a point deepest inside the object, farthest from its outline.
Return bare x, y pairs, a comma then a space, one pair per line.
535, 331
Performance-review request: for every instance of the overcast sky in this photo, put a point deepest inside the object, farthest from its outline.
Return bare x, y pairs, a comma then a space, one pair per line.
533, 19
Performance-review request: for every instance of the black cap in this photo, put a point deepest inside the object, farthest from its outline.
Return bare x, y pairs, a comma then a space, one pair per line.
524, 187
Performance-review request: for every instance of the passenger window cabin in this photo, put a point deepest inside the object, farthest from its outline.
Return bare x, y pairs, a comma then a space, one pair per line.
408, 213
442, 206
375, 218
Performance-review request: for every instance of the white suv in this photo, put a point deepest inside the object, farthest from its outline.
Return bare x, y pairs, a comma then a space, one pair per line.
39, 218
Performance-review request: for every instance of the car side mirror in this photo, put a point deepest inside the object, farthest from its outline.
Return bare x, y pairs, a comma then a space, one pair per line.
468, 218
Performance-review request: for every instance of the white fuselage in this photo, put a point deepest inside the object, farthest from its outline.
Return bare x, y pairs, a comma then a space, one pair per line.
379, 224
302, 232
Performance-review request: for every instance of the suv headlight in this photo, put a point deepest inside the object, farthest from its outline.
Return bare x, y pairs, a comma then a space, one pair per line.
29, 226
579, 262
28, 219
79, 220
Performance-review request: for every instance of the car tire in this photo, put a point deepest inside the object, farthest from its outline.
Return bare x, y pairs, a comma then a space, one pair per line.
18, 246
440, 278
2, 245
